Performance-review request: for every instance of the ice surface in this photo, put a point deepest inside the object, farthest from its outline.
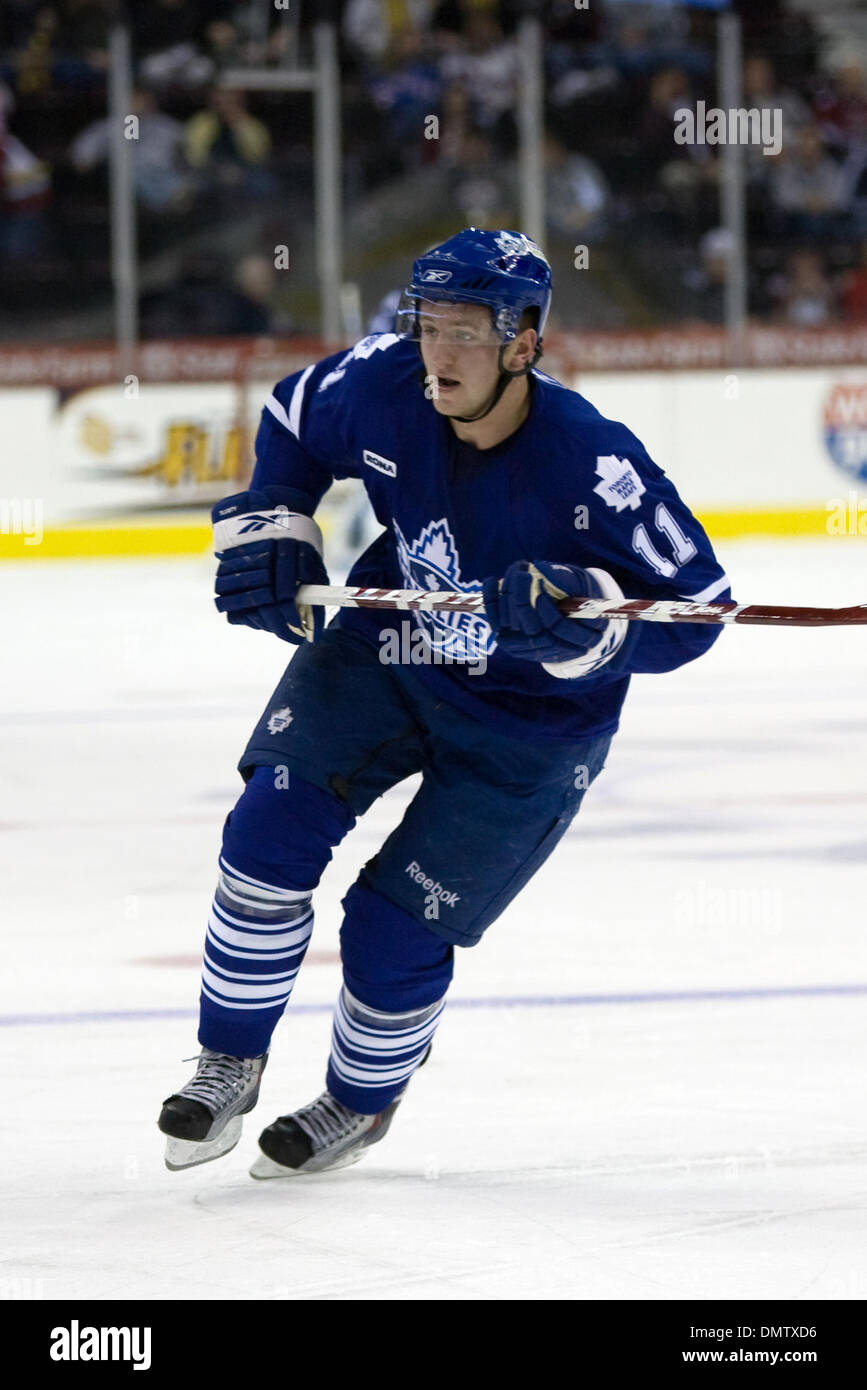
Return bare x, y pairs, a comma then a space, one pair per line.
650, 1081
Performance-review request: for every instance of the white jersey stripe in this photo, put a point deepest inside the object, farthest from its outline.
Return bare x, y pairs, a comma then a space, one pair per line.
267, 926
280, 894
388, 1020
368, 1053
249, 947
236, 991
362, 1039
229, 1004
366, 1029
368, 1076
273, 957
379, 1050
270, 935
254, 901
277, 411
297, 401
719, 586
217, 969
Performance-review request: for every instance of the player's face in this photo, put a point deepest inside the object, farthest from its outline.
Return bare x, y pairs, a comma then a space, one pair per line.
459, 349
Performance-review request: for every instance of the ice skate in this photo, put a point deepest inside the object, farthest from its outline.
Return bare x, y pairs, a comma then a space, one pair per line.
322, 1136
203, 1121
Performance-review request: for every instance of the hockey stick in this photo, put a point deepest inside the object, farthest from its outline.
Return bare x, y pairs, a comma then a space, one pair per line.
645, 609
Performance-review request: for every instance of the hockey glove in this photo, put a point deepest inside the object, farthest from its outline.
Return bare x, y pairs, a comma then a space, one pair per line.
524, 616
266, 552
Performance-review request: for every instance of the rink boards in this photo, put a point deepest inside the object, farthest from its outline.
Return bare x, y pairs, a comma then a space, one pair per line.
131, 467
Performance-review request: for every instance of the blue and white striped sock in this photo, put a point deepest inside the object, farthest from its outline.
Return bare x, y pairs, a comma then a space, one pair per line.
256, 939
373, 1054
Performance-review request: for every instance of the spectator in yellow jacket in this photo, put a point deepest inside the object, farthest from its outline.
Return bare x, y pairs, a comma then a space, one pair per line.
227, 145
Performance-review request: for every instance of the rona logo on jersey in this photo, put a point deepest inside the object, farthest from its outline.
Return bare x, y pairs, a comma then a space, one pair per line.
75, 1343
382, 465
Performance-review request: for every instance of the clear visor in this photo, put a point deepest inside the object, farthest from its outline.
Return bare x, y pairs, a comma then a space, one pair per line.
459, 322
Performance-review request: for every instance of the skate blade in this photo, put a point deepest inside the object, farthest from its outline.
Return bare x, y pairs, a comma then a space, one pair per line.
265, 1167
187, 1153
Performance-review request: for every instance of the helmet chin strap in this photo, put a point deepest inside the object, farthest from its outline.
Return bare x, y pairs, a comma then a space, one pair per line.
502, 382
504, 378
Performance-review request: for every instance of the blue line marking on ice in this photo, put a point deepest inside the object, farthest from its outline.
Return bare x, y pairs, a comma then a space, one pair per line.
542, 1001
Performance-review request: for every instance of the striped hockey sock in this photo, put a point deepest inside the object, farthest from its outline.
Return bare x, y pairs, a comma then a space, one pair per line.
256, 939
373, 1054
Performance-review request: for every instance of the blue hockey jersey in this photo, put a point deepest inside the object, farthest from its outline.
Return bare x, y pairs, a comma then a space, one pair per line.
568, 486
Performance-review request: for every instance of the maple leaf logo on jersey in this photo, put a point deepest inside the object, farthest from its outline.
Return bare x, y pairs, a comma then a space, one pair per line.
280, 720
432, 562
621, 486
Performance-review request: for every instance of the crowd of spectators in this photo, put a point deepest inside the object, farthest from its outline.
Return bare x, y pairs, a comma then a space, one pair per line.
430, 89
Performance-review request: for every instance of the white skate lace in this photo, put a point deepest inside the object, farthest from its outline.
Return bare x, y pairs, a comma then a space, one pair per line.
219, 1079
326, 1121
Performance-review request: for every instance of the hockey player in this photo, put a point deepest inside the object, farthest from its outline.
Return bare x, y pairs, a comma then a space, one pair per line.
484, 473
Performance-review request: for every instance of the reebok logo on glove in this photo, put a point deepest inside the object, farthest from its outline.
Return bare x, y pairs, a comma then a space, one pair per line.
267, 551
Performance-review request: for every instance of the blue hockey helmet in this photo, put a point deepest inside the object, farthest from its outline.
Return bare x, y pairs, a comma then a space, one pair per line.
504, 270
